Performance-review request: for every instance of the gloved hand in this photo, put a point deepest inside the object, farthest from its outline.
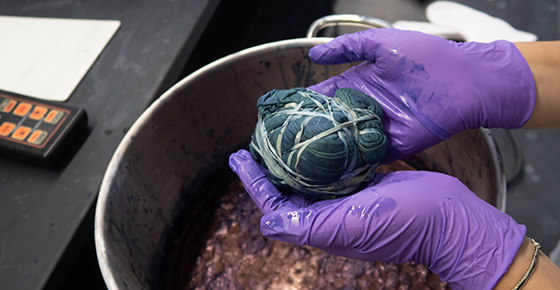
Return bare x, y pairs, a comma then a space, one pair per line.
431, 88
426, 217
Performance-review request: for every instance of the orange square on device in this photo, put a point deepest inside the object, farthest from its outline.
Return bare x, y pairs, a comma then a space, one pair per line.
6, 128
37, 137
22, 109
54, 116
38, 113
7, 105
21, 132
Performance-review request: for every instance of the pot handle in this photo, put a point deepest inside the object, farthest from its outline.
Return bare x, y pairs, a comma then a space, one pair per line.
345, 19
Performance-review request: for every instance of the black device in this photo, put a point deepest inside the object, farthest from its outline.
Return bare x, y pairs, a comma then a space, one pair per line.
36, 130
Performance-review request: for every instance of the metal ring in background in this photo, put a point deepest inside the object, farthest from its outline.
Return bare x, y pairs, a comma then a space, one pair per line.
518, 159
346, 19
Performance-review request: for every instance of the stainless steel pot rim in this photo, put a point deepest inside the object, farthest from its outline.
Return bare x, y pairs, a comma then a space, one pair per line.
498, 166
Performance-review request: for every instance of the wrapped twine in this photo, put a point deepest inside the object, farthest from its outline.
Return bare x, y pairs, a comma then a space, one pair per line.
320, 147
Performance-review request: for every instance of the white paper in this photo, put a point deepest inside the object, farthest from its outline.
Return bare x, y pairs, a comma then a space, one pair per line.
474, 25
46, 58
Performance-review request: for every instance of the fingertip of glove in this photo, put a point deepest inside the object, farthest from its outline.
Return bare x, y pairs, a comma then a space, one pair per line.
317, 53
243, 154
237, 158
271, 225
274, 227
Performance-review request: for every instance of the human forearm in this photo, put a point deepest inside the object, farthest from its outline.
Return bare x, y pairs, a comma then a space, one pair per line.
543, 58
546, 274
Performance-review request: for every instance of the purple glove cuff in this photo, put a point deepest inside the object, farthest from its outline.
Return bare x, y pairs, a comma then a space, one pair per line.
477, 251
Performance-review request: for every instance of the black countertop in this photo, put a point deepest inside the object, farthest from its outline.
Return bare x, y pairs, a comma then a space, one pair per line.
41, 209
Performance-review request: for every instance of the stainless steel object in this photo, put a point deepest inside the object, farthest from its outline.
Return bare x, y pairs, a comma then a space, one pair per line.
346, 20
186, 136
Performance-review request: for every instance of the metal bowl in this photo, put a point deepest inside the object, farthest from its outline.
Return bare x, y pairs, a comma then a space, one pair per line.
186, 136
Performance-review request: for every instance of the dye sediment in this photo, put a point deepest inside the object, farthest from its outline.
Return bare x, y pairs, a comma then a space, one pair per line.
231, 253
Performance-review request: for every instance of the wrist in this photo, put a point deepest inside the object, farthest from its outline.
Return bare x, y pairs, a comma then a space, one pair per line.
545, 66
545, 274
518, 266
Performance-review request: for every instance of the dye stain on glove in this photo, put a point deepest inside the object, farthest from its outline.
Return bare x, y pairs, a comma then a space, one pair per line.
319, 147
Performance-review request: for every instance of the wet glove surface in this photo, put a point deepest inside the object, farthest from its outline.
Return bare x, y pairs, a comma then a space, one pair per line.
431, 88
320, 147
426, 217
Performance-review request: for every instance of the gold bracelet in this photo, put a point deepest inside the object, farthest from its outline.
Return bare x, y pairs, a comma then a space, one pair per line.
531, 267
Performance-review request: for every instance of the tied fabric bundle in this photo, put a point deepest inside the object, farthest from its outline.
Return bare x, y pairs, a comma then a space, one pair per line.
320, 147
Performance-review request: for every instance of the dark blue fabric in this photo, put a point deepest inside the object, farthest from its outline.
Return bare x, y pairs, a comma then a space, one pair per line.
325, 160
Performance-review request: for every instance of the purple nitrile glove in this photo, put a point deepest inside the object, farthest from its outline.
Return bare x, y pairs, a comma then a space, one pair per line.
426, 217
431, 88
